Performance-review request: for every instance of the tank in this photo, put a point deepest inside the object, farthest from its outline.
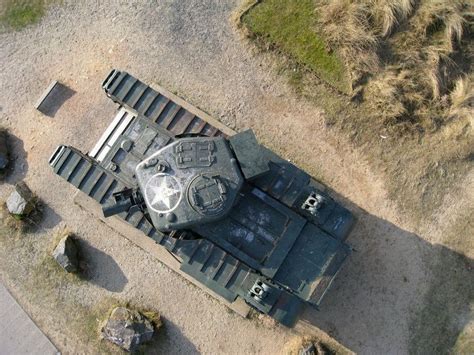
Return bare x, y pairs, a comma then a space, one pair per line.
241, 220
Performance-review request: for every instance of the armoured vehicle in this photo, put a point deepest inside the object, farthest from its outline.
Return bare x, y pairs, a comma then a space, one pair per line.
242, 221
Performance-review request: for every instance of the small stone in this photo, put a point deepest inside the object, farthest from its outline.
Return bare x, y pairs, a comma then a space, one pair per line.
127, 328
308, 350
66, 254
21, 201
314, 349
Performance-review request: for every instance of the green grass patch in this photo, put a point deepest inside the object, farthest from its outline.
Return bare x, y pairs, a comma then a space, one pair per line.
18, 14
289, 26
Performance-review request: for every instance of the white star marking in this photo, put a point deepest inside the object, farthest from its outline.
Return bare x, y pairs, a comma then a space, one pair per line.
163, 193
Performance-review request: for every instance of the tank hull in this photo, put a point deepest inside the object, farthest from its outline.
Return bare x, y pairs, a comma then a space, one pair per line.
272, 249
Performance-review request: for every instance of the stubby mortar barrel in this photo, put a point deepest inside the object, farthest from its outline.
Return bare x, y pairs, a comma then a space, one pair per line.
119, 207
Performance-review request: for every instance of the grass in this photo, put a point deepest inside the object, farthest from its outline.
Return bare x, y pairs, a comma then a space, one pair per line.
22, 223
346, 27
289, 25
402, 57
18, 14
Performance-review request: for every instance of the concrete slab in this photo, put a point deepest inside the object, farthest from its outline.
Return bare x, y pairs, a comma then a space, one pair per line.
51, 100
45, 94
18, 333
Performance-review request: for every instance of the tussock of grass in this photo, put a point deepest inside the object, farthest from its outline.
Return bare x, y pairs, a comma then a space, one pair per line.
18, 14
289, 26
356, 28
415, 91
449, 17
462, 100
345, 26
388, 14
411, 84
387, 93
405, 53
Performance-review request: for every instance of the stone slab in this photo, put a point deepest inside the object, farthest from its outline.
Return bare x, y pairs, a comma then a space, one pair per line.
45, 94
18, 333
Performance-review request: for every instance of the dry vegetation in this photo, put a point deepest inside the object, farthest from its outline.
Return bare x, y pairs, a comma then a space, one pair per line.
411, 58
22, 223
295, 345
346, 26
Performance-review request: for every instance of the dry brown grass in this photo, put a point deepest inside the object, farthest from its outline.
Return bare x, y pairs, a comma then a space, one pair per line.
347, 29
355, 29
462, 100
412, 81
449, 17
387, 93
387, 14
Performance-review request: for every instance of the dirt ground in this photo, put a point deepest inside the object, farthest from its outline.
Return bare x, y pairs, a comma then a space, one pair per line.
399, 292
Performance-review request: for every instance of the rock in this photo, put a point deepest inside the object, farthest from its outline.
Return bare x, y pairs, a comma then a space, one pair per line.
3, 149
308, 350
314, 349
127, 328
66, 254
21, 201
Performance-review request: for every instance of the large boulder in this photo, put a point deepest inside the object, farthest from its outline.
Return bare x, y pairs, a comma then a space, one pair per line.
66, 254
21, 201
127, 328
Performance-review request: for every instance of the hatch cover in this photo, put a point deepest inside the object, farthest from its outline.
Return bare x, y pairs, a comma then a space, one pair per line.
208, 194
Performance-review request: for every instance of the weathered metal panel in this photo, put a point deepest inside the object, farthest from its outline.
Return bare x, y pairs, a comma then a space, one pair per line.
249, 154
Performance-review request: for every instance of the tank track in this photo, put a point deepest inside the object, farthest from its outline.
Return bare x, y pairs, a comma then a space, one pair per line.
126, 90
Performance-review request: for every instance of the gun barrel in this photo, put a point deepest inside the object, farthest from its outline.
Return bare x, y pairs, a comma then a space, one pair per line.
119, 207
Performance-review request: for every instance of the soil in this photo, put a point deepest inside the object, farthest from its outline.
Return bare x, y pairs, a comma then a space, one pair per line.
384, 298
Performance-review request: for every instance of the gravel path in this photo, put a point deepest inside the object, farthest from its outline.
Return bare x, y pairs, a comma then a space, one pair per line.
190, 47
